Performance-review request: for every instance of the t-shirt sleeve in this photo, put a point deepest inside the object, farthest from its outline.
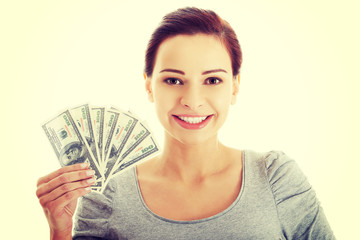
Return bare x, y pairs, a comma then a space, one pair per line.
299, 210
92, 216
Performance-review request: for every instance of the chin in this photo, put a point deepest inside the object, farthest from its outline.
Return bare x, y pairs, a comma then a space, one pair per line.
177, 134
191, 138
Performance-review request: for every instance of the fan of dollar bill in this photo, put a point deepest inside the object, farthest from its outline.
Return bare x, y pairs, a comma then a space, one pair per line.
109, 139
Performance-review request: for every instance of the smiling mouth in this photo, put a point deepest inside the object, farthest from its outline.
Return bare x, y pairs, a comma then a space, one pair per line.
192, 120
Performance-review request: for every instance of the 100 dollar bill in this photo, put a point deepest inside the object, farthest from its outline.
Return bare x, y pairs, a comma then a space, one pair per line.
97, 116
81, 116
117, 138
68, 143
110, 140
146, 149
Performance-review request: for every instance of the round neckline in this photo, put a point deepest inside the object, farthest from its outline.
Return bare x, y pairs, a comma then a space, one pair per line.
220, 214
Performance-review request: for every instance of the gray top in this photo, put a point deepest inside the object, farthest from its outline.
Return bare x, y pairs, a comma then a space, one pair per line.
275, 202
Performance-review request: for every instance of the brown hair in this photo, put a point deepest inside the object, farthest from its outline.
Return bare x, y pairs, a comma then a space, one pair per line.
191, 21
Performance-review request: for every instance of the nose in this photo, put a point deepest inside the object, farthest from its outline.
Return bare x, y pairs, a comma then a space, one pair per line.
192, 98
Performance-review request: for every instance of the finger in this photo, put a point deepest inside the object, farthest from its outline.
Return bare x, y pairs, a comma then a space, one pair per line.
63, 189
70, 168
64, 178
66, 199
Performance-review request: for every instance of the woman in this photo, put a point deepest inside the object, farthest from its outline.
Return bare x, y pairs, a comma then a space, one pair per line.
197, 188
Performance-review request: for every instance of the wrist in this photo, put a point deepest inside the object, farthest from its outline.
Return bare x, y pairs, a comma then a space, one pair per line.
61, 235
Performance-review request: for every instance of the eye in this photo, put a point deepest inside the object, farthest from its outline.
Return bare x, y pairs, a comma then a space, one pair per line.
173, 81
213, 81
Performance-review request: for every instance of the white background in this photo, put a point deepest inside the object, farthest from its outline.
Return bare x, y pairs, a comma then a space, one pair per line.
299, 89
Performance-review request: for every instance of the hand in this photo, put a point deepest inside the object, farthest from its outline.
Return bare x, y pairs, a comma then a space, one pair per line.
58, 193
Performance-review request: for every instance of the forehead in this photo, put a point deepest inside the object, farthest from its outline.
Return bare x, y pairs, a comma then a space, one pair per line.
192, 52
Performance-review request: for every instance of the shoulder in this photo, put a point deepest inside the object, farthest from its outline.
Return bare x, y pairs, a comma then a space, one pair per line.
118, 180
95, 210
277, 159
298, 208
91, 203
97, 205
279, 165
92, 214
280, 171
284, 173
271, 159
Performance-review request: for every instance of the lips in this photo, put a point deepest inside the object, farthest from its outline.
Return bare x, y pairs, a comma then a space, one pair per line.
192, 122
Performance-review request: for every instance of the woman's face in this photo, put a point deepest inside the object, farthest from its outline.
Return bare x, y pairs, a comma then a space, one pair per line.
192, 87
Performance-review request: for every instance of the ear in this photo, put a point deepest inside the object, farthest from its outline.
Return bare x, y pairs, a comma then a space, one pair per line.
235, 89
148, 88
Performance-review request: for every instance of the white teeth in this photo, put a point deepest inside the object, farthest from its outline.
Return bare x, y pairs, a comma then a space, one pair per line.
192, 120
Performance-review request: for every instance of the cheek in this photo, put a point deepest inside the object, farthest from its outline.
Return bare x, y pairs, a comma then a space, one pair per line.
164, 100
222, 108
222, 98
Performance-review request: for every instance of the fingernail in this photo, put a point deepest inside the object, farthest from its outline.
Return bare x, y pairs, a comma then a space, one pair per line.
84, 165
90, 172
90, 180
88, 189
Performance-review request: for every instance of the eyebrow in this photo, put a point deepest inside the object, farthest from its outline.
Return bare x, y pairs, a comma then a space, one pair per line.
183, 73
214, 70
172, 70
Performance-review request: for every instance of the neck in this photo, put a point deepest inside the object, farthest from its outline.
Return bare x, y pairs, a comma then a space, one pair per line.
192, 162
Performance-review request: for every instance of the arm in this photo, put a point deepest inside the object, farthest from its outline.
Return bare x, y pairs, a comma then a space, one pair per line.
58, 193
299, 210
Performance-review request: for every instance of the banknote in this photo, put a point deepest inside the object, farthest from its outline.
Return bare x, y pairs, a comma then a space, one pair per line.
146, 149
69, 144
82, 118
119, 137
139, 133
97, 116
109, 139
110, 120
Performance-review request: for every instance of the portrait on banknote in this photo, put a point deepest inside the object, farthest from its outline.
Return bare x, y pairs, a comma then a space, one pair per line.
73, 153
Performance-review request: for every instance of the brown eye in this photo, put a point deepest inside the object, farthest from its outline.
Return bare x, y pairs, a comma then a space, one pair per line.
173, 81
213, 81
